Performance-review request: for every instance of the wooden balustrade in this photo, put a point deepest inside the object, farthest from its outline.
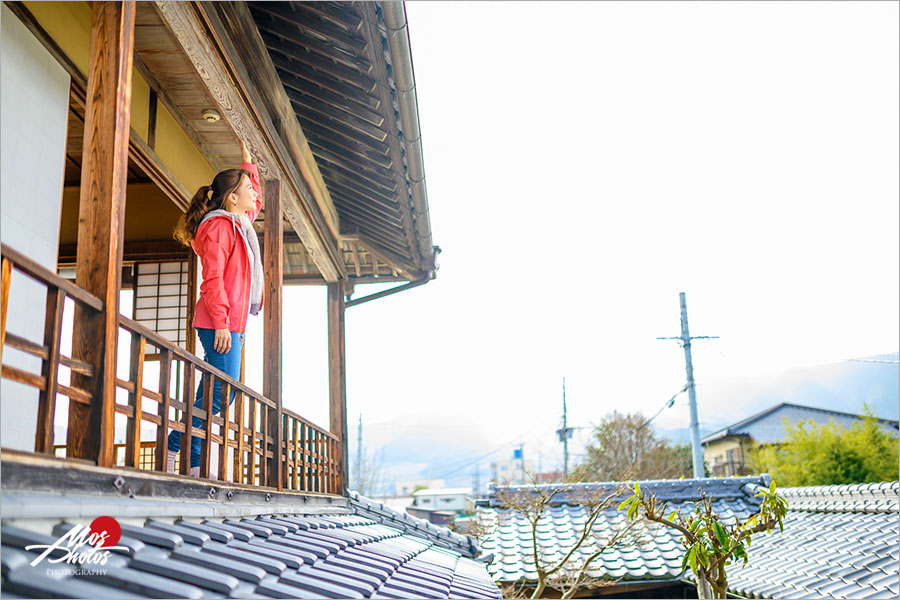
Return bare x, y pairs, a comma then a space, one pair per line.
48, 350
308, 456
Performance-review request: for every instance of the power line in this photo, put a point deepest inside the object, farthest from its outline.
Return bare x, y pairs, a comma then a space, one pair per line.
668, 404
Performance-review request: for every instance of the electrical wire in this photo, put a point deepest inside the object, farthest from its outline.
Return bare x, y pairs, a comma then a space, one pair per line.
668, 404
455, 469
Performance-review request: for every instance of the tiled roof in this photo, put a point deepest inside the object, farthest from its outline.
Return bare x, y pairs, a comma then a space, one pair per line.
441, 537
767, 427
657, 555
838, 541
272, 556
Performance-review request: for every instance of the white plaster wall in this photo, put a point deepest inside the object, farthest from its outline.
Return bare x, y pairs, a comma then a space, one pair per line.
34, 99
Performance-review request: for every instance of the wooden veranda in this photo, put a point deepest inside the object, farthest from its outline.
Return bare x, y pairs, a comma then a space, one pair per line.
160, 94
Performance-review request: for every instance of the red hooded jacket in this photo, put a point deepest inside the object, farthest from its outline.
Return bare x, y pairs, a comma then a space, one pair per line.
225, 292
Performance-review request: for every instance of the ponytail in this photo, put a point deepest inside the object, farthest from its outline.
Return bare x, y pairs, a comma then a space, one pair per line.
190, 220
207, 198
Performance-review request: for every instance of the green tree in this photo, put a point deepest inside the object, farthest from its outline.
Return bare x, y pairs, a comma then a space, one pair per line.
827, 454
626, 447
710, 545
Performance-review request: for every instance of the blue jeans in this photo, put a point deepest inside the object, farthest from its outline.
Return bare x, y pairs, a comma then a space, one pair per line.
229, 362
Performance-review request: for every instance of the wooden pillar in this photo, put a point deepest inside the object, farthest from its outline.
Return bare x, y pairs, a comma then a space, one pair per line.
101, 221
273, 253
337, 377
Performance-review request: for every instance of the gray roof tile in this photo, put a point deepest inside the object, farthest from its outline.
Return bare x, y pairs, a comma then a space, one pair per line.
334, 556
838, 541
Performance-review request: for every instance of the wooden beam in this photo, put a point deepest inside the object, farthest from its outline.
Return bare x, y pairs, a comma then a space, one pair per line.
151, 125
273, 267
101, 225
337, 377
152, 250
205, 41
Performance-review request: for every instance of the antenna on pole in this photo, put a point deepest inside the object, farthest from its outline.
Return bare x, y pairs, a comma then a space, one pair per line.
685, 338
564, 433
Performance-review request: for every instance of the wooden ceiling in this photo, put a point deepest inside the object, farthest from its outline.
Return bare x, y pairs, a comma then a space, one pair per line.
331, 60
330, 57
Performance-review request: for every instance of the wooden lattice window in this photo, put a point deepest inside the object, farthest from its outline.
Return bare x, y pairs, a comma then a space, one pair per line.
160, 299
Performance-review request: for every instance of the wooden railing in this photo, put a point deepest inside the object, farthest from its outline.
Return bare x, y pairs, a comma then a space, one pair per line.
242, 437
48, 350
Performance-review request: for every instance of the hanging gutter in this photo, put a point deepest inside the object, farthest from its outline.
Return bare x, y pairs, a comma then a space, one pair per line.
400, 288
394, 15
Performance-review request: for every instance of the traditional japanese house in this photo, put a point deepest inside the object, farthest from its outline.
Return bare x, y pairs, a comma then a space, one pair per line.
113, 115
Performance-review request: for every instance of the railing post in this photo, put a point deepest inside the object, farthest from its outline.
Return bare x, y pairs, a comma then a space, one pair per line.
273, 253
101, 220
56, 300
337, 377
136, 377
4, 300
165, 370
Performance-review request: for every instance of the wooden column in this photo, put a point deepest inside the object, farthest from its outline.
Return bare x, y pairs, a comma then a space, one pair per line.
337, 377
273, 265
101, 221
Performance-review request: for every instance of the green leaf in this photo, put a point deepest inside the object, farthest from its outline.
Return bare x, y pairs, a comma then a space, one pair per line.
702, 556
692, 558
721, 536
624, 502
632, 510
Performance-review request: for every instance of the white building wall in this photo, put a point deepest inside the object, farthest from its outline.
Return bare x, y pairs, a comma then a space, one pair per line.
34, 100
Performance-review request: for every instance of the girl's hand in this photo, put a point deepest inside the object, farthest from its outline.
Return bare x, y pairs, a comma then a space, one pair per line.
222, 341
247, 157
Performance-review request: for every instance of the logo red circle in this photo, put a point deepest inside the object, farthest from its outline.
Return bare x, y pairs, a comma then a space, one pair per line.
110, 526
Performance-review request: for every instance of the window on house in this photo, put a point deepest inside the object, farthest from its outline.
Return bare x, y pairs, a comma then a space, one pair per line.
730, 455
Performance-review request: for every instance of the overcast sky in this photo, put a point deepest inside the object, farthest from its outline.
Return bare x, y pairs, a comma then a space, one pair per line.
585, 163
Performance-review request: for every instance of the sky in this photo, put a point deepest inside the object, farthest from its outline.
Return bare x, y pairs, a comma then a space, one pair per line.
585, 163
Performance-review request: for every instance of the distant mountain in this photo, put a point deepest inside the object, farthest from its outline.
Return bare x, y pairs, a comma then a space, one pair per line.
441, 447
845, 386
426, 447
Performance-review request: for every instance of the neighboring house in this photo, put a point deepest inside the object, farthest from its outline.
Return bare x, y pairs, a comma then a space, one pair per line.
457, 500
727, 452
408, 487
838, 541
516, 471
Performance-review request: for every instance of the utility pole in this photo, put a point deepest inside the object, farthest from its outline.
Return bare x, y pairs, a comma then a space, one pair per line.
564, 433
359, 457
476, 480
696, 449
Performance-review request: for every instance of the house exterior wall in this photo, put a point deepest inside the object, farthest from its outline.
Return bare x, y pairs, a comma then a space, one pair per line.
510, 472
729, 456
34, 101
451, 502
69, 24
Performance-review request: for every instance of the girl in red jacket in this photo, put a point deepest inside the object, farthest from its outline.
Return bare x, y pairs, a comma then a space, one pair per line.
218, 226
